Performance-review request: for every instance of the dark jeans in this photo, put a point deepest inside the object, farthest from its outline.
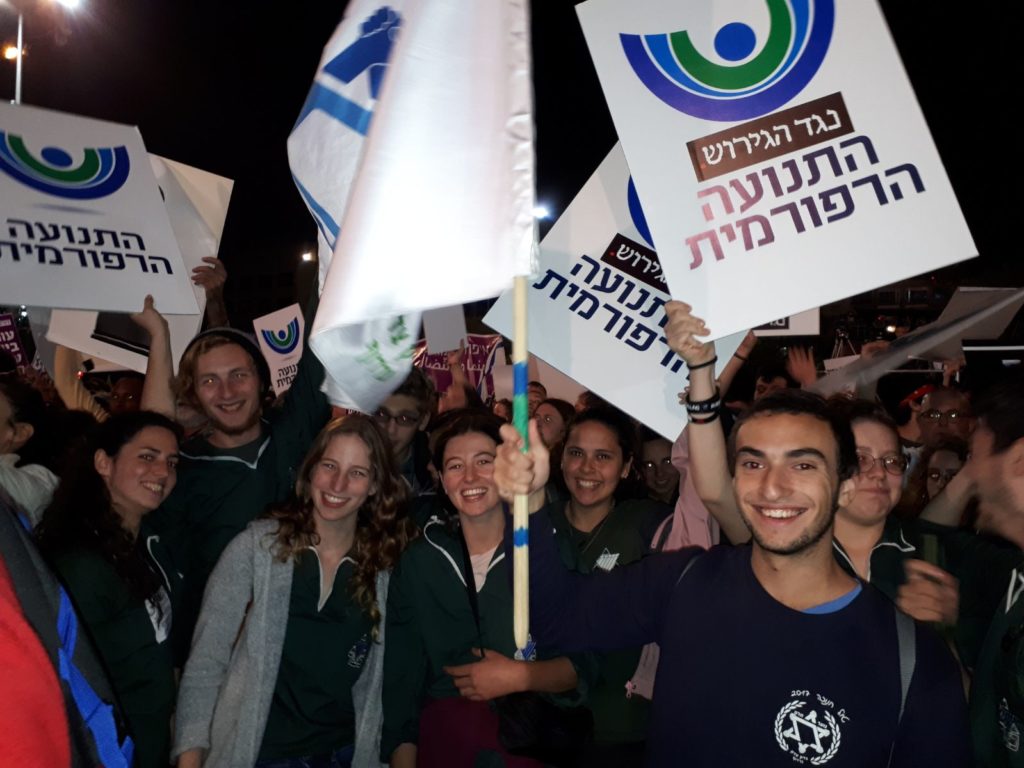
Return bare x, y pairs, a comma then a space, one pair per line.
340, 758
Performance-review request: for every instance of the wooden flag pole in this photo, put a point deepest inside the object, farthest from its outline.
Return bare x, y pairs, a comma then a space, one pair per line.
520, 509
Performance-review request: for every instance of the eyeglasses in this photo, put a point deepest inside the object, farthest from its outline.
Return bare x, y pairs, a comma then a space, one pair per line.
894, 463
384, 417
944, 417
942, 475
650, 465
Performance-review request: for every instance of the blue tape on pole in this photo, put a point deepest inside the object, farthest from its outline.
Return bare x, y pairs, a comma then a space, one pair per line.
521, 537
520, 377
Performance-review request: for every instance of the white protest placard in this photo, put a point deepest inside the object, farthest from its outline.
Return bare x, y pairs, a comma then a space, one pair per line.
965, 301
85, 226
917, 343
778, 149
444, 328
280, 336
801, 324
596, 310
196, 202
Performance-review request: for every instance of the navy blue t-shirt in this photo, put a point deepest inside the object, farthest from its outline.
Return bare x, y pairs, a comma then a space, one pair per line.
745, 681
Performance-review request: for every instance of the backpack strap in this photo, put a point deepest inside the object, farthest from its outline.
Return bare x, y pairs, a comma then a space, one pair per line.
97, 715
906, 639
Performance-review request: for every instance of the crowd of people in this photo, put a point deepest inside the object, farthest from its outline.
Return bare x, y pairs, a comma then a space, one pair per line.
198, 573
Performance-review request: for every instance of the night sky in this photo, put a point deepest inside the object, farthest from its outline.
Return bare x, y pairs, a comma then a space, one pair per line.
218, 84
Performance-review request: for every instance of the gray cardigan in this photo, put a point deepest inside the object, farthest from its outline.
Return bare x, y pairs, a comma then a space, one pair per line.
229, 679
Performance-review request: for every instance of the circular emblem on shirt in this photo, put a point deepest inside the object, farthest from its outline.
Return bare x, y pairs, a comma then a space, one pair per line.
807, 727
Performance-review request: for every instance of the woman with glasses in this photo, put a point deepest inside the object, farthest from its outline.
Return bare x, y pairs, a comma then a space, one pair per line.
869, 542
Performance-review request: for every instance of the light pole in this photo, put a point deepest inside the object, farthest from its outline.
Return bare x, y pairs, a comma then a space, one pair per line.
69, 5
21, 55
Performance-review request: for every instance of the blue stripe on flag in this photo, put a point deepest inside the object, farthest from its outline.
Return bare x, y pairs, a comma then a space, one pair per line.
521, 537
323, 218
338, 107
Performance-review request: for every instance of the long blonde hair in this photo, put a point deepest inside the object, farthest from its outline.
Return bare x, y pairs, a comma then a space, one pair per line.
383, 528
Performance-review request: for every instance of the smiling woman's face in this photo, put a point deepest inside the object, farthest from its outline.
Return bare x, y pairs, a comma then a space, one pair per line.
877, 489
467, 474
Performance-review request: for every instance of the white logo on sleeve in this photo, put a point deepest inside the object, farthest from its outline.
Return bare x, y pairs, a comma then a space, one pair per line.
808, 728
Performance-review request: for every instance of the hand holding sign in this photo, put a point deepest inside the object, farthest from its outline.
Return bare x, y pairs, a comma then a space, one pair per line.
681, 332
149, 320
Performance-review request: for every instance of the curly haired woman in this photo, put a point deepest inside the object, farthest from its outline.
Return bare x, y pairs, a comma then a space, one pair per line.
285, 667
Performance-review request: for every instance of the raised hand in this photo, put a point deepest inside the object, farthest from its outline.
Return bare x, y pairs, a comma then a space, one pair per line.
518, 472
681, 333
801, 366
212, 277
149, 319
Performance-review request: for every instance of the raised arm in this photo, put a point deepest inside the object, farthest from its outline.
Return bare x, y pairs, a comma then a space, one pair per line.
157, 393
212, 279
66, 363
709, 462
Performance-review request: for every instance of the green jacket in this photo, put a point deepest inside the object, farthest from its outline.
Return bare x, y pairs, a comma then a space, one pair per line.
997, 690
623, 537
217, 496
980, 564
133, 642
430, 625
900, 540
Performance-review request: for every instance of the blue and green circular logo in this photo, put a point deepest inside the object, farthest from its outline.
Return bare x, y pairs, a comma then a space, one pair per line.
99, 173
752, 77
285, 340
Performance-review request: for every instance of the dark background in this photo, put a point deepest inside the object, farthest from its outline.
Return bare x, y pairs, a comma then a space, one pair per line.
218, 84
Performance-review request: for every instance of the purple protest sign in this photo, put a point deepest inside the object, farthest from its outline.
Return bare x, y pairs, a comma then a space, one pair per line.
11, 341
481, 351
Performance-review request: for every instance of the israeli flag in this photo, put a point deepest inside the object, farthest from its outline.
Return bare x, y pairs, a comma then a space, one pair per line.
414, 154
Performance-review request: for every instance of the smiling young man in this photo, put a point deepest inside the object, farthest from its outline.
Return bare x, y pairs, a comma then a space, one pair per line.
771, 655
246, 459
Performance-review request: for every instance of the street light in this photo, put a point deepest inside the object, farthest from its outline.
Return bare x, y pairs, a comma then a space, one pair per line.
18, 52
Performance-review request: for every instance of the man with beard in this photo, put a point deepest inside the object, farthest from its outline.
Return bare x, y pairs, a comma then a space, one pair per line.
771, 655
246, 459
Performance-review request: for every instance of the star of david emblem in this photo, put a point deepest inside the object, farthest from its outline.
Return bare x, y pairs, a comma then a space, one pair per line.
807, 726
